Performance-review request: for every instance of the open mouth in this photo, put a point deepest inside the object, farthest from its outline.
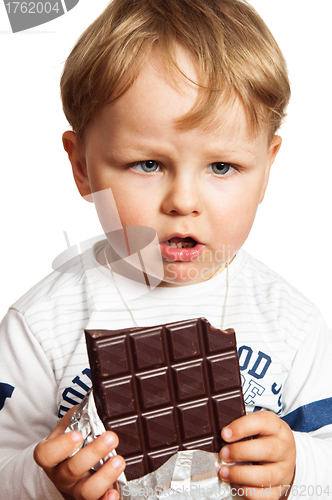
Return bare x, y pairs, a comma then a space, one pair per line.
181, 242
181, 249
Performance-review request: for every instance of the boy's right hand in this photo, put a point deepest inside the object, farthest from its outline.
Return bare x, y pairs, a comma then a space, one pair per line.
71, 475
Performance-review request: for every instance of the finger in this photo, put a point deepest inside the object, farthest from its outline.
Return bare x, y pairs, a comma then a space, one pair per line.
262, 423
95, 486
51, 452
111, 495
265, 475
267, 449
62, 424
73, 469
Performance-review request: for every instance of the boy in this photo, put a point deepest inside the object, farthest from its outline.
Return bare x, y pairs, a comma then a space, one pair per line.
174, 107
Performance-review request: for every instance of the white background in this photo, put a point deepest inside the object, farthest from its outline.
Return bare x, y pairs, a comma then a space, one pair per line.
39, 200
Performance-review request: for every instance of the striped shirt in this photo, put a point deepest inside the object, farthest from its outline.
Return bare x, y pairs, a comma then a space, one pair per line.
283, 346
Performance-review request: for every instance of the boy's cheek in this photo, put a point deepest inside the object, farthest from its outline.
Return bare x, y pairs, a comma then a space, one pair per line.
230, 235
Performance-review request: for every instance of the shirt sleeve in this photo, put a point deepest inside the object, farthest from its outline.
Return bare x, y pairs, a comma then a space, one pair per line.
28, 411
308, 402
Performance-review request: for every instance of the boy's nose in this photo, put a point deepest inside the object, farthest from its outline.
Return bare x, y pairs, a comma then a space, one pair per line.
183, 197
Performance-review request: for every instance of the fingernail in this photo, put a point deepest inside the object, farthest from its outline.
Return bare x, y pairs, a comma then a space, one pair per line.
224, 473
227, 433
225, 453
76, 436
112, 495
109, 439
117, 462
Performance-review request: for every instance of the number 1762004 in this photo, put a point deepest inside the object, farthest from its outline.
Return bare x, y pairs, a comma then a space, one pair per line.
32, 7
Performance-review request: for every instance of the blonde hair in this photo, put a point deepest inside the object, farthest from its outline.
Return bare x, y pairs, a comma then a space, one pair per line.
235, 53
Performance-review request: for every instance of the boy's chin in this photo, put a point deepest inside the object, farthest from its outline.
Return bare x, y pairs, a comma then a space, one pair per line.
180, 275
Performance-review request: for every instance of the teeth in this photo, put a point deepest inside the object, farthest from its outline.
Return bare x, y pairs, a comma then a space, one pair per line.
182, 244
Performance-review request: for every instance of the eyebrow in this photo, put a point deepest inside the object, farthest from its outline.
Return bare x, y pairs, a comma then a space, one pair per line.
247, 152
145, 150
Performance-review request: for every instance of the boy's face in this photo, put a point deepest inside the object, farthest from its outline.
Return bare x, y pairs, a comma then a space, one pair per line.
197, 187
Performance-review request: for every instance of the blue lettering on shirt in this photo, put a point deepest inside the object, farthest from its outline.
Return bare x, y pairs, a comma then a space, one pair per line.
252, 390
6, 391
260, 365
74, 395
254, 366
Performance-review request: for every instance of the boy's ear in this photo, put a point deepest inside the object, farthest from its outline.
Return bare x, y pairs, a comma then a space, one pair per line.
75, 150
272, 153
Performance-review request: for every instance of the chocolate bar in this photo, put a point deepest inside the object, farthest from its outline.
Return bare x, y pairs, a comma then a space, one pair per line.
165, 388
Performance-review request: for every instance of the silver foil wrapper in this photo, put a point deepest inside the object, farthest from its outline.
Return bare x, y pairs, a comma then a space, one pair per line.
85, 419
187, 475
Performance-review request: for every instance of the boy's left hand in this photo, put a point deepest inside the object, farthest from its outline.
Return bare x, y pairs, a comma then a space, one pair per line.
274, 450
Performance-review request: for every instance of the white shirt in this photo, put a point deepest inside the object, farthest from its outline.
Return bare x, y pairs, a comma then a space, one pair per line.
283, 343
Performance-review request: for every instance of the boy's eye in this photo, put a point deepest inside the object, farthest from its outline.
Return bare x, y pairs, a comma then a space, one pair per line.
146, 166
221, 168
